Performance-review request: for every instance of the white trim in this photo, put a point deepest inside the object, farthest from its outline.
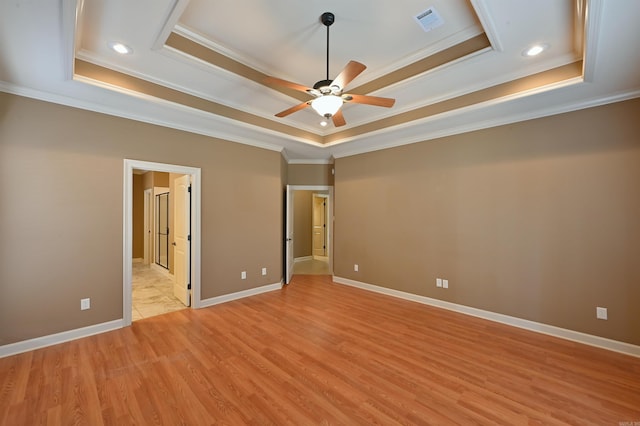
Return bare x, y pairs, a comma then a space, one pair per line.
312, 188
127, 240
311, 161
54, 339
489, 26
593, 20
71, 33
575, 336
170, 23
240, 295
302, 259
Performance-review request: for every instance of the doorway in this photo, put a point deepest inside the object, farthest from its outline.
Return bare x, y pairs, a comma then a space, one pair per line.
299, 208
190, 267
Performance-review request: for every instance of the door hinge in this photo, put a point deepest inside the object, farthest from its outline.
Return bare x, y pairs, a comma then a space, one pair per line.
188, 237
189, 188
189, 286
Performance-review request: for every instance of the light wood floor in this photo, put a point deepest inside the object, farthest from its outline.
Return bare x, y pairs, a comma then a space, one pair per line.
319, 353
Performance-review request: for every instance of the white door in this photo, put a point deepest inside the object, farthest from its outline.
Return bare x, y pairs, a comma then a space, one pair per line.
288, 236
319, 221
182, 248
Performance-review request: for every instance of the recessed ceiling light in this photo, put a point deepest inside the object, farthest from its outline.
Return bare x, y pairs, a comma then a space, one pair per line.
323, 123
121, 48
535, 50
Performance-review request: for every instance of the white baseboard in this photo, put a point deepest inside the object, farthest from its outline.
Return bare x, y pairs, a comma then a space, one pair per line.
239, 295
54, 339
302, 259
575, 336
65, 336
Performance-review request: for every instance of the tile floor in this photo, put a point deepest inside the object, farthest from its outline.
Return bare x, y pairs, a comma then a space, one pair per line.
311, 267
152, 292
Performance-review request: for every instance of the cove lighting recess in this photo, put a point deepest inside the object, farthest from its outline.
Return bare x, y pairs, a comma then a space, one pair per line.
120, 48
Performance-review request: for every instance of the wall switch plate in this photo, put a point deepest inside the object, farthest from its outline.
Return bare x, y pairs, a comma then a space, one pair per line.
264, 271
601, 313
445, 283
243, 275
85, 304
355, 267
438, 282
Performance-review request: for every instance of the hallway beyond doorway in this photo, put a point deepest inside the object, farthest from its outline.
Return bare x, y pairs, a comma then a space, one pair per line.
311, 267
152, 292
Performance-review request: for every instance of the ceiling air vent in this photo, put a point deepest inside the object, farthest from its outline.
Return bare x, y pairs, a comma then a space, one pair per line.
429, 19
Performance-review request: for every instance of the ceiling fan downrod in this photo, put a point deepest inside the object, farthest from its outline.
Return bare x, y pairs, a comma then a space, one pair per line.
327, 20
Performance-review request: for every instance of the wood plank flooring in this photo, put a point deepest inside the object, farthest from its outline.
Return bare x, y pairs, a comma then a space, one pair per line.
319, 353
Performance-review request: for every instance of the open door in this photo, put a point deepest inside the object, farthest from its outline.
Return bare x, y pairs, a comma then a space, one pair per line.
288, 235
319, 221
182, 243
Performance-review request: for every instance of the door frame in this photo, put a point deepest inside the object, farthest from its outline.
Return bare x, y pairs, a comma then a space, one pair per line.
127, 240
289, 221
148, 226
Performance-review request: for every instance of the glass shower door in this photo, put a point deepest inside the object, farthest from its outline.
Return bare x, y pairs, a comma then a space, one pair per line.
162, 230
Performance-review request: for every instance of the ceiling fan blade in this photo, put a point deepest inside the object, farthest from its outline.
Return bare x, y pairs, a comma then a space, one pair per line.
369, 100
285, 83
351, 71
338, 119
292, 109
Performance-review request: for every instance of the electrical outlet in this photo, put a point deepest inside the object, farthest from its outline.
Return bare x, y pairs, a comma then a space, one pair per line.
355, 267
85, 304
438, 282
243, 275
264, 271
601, 313
445, 283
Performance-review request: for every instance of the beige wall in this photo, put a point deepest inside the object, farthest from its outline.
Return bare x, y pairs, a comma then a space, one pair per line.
538, 220
310, 174
161, 179
138, 217
68, 213
155, 179
302, 223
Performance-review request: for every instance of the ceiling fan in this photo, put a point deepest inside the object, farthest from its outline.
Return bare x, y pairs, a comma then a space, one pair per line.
328, 94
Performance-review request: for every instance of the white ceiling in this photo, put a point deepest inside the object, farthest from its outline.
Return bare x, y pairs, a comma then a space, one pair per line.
40, 39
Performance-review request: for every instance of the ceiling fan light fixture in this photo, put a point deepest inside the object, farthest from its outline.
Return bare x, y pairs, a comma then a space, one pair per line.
327, 105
